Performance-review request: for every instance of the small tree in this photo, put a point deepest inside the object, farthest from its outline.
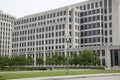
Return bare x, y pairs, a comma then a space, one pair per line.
20, 60
4, 60
30, 60
39, 61
56, 59
49, 61
89, 57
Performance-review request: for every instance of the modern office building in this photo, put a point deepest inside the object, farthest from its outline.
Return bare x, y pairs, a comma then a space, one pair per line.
94, 24
6, 26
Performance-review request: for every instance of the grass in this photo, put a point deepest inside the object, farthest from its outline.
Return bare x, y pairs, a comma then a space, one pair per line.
15, 75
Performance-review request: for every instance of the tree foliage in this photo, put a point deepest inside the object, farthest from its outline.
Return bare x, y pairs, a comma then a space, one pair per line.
39, 61
86, 57
56, 59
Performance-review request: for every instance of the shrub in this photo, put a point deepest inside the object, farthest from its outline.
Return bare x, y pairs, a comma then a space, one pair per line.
22, 68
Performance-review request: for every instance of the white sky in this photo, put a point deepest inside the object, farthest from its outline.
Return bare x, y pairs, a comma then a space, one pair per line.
21, 8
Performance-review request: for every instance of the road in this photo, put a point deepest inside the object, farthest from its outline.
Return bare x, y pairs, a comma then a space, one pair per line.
97, 78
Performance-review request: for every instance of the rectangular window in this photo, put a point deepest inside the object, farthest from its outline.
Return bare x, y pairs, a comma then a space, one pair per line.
110, 39
88, 6
105, 3
110, 17
96, 4
84, 7
105, 25
110, 3
105, 32
110, 32
92, 5
70, 20
110, 24
101, 3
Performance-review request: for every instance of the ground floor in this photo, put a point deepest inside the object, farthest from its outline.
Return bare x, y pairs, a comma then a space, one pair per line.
109, 55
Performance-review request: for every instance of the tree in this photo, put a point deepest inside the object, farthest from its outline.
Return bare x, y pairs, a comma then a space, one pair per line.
30, 60
89, 57
39, 61
4, 60
74, 59
20, 60
49, 61
56, 59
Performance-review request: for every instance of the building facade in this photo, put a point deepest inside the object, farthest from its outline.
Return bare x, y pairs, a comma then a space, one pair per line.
93, 24
6, 26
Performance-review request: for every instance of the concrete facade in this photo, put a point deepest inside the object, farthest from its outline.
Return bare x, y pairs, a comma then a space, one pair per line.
6, 27
94, 24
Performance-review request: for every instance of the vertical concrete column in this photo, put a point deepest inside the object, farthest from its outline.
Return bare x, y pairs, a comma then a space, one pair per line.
44, 57
26, 55
119, 58
101, 58
73, 28
34, 58
113, 57
107, 58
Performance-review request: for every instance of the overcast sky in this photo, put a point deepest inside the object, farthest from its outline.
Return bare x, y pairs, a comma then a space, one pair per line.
21, 8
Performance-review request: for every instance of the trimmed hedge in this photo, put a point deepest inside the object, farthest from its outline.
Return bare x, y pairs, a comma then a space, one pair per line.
81, 68
22, 68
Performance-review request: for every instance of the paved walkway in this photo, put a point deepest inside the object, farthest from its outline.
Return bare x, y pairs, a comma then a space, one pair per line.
97, 78
110, 76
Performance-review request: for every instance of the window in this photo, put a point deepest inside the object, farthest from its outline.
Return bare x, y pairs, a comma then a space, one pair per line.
70, 20
53, 14
98, 17
93, 11
110, 10
105, 18
57, 14
64, 12
110, 32
106, 40
96, 4
105, 25
101, 3
98, 32
105, 3
69, 26
110, 3
105, 10
110, 24
88, 6
92, 5
110, 39
105, 32
110, 17
70, 13
98, 10
80, 7
84, 7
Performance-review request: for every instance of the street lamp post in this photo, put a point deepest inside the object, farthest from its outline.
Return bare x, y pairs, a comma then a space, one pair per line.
67, 61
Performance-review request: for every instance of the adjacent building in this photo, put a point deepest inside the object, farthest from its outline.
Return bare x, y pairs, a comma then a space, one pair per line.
6, 26
94, 24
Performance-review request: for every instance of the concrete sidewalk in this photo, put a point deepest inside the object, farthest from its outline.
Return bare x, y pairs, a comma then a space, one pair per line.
70, 77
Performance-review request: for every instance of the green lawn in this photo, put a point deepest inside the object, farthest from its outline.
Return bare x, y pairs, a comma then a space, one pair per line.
14, 75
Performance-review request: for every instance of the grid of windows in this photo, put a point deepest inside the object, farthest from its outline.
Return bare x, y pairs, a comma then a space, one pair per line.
87, 26
5, 33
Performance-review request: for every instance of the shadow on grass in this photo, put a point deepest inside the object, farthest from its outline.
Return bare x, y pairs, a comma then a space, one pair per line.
1, 78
